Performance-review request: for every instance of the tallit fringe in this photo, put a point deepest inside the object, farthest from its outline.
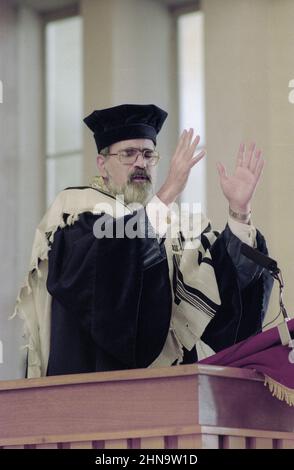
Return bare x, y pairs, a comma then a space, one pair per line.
43, 248
171, 352
34, 365
280, 391
179, 348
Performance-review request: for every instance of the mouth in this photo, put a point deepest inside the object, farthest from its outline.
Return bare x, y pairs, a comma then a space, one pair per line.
140, 178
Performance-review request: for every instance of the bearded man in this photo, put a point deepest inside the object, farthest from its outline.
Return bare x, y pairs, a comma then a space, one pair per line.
117, 282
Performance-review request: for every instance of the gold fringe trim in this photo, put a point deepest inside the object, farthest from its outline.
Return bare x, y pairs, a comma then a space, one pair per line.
280, 391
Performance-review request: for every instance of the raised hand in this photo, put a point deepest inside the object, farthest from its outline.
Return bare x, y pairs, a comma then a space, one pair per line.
239, 188
182, 162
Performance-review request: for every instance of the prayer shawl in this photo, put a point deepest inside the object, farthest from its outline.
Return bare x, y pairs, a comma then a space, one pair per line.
191, 271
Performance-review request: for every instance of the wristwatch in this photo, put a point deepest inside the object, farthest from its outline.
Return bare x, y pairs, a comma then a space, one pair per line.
240, 216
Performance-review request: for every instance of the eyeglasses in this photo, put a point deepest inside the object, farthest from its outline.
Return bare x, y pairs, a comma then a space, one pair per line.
130, 155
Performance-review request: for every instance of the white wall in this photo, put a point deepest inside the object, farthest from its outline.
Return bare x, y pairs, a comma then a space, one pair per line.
130, 51
249, 62
281, 141
8, 187
31, 167
21, 187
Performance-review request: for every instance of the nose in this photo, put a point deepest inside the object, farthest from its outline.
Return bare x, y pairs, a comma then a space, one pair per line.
140, 162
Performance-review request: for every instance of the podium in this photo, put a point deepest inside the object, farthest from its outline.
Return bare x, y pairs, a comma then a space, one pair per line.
180, 407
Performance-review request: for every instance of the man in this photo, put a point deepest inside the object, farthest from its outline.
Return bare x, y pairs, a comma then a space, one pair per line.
111, 287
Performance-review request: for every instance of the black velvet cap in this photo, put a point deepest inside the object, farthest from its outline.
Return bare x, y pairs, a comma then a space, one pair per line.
124, 122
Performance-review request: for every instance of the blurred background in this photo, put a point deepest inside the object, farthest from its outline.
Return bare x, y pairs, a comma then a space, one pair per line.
224, 67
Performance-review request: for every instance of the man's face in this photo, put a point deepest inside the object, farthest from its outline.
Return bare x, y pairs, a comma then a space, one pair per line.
135, 181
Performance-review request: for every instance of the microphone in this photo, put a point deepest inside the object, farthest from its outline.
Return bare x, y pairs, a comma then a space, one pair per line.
260, 259
271, 265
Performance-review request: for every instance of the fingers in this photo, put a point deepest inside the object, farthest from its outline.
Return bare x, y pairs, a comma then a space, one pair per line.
251, 159
259, 168
248, 155
221, 171
189, 138
255, 160
186, 147
240, 155
180, 142
193, 147
197, 158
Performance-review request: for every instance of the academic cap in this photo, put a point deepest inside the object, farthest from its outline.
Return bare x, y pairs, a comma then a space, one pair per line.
124, 122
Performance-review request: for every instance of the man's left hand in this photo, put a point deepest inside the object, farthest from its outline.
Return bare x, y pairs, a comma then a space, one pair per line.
239, 188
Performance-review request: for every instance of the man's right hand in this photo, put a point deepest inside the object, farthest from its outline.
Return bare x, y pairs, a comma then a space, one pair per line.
182, 162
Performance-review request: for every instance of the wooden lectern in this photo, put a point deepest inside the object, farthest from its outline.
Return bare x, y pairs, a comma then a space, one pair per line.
182, 407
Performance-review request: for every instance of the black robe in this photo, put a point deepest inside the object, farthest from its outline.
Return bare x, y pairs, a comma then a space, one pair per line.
112, 298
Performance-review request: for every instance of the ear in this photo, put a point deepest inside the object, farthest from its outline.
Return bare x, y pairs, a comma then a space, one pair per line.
101, 164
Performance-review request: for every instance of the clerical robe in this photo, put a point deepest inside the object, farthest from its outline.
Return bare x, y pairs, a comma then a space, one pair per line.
96, 303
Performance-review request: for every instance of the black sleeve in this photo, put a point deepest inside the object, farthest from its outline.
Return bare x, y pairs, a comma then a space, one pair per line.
246, 269
97, 287
242, 308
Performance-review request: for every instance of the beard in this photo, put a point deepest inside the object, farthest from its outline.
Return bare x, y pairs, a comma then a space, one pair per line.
132, 191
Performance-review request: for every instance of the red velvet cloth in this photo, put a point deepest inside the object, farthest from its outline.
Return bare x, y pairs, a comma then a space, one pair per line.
263, 353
